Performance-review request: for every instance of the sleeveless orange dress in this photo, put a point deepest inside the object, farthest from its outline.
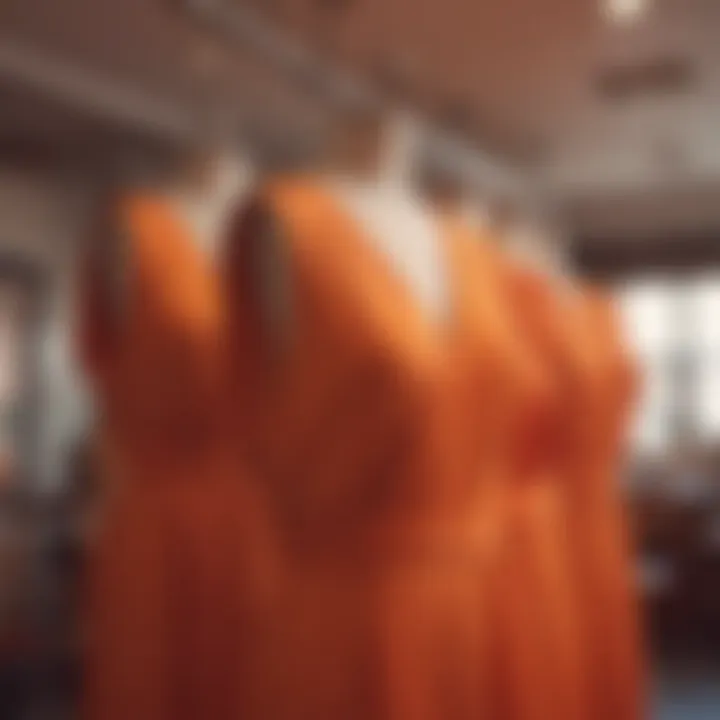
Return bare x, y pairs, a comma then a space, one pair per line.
605, 558
358, 422
540, 498
165, 602
594, 383
533, 647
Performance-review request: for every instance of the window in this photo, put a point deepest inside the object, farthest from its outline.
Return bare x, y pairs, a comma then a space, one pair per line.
674, 325
706, 331
647, 309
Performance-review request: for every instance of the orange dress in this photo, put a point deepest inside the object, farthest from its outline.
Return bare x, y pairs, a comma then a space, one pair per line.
538, 599
358, 422
605, 558
166, 605
532, 655
593, 379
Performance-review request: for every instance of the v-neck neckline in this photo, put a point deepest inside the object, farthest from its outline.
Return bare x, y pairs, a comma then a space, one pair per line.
438, 332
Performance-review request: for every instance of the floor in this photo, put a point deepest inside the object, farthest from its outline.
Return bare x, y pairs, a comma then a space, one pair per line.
688, 695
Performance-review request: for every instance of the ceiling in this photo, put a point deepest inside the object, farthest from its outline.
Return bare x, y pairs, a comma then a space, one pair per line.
614, 125
141, 73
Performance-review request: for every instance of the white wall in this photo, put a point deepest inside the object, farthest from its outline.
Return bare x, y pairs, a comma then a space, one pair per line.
41, 221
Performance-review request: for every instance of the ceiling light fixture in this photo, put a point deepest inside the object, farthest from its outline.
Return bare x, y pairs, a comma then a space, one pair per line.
625, 12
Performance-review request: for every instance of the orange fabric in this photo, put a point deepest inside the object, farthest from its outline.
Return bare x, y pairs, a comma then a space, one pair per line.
534, 652
605, 562
575, 334
539, 537
358, 422
168, 591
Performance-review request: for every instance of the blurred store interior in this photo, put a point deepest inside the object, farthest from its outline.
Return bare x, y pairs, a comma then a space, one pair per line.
595, 121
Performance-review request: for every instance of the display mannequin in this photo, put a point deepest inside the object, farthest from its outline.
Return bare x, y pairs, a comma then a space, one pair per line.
169, 587
345, 413
535, 647
578, 330
538, 300
603, 553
